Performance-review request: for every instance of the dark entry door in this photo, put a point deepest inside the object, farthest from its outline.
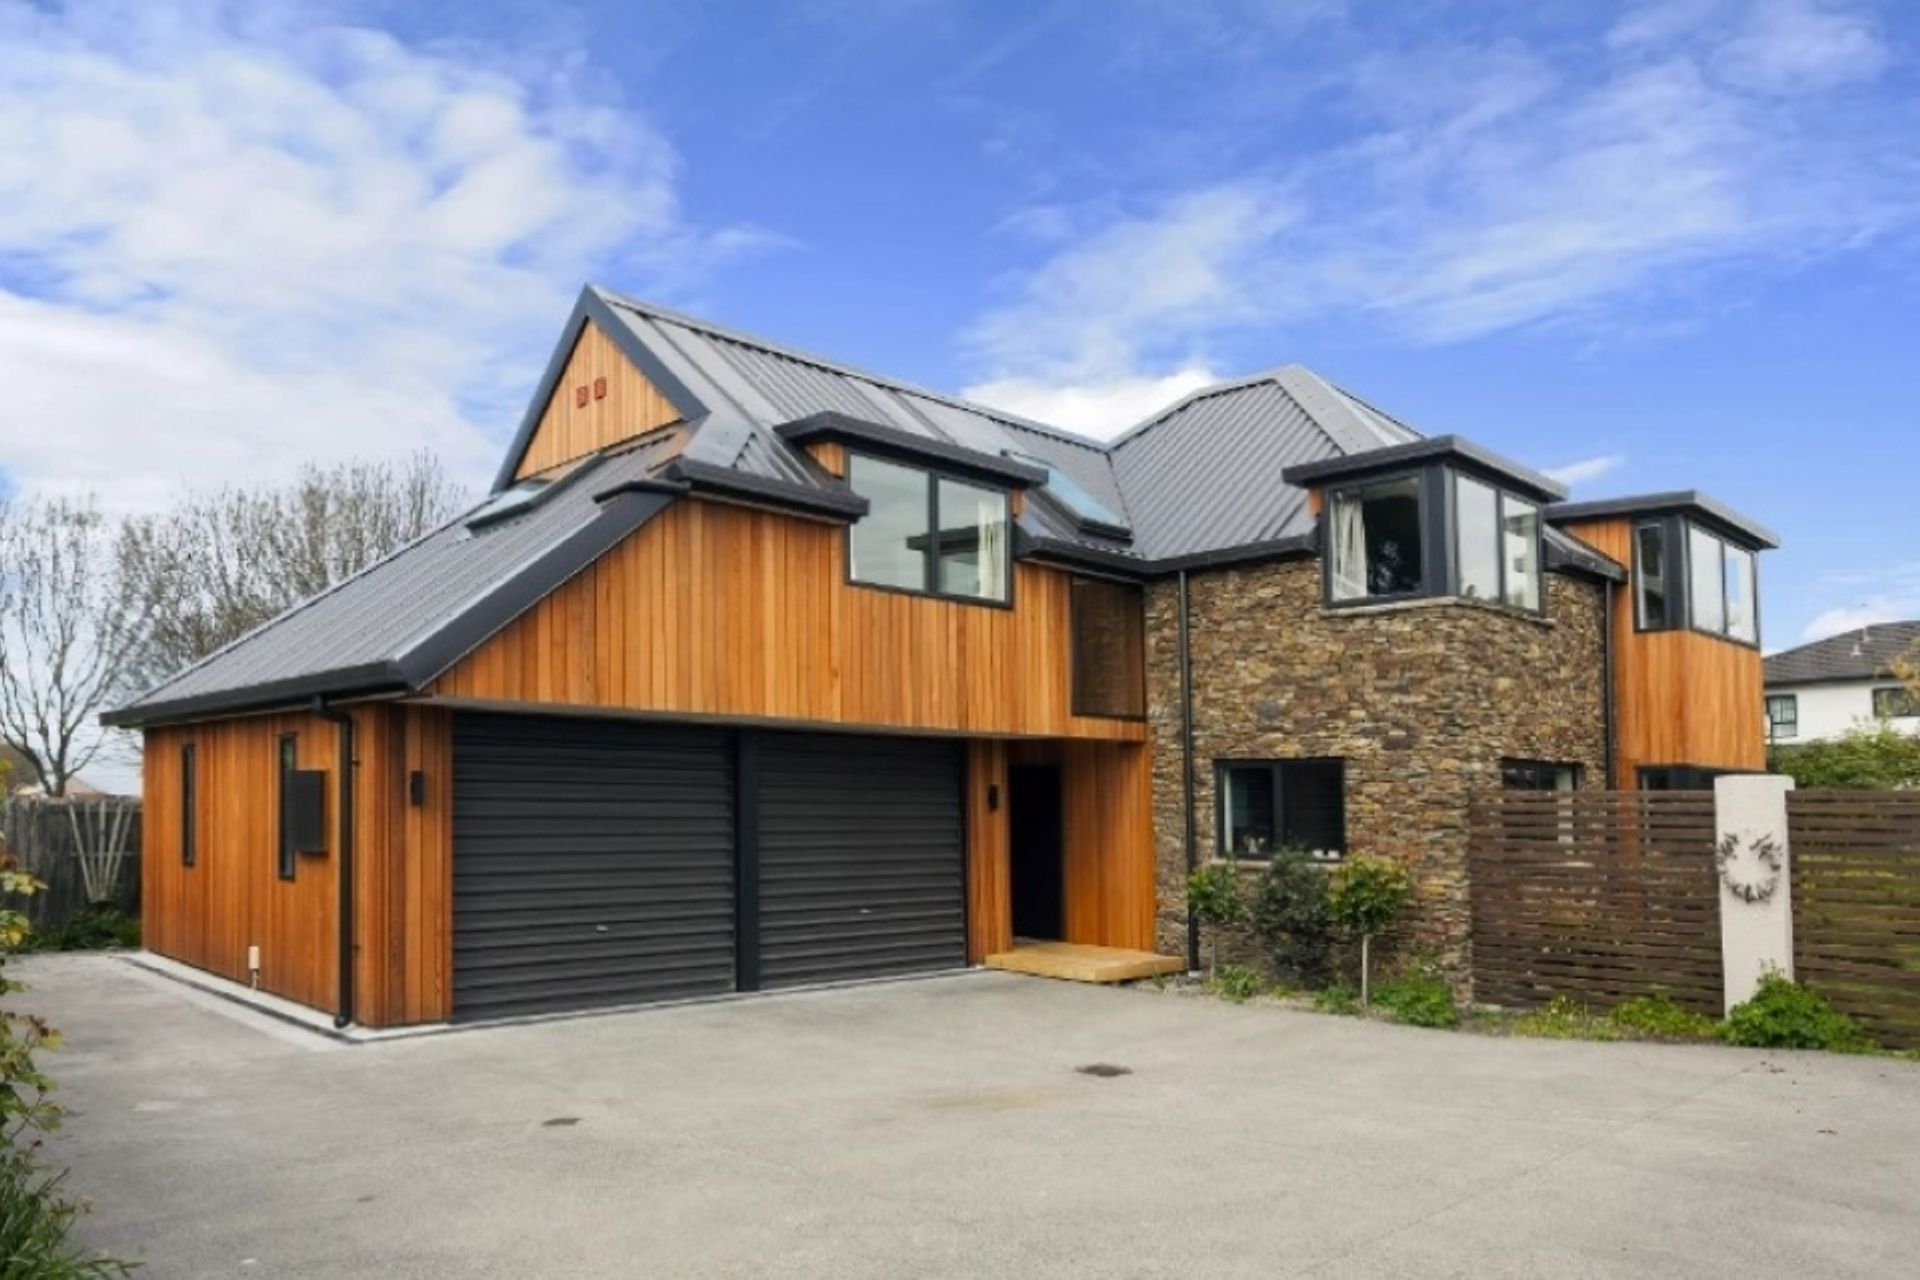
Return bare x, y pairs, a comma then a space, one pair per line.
592, 864
860, 850
1037, 851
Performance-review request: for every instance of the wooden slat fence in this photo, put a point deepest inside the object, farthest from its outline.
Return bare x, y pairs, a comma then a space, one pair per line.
1856, 905
1596, 895
39, 834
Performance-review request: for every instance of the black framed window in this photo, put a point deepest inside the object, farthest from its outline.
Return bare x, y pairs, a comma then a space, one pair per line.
189, 805
1650, 578
1894, 702
1686, 575
1678, 777
1783, 716
1267, 805
929, 533
1377, 547
289, 765
1109, 648
1539, 775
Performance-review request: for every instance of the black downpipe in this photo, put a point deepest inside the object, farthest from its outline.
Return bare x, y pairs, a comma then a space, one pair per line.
1186, 767
1606, 676
345, 909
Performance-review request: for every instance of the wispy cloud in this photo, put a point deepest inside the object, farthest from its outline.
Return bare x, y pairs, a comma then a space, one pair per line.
1495, 186
234, 238
1884, 593
1587, 470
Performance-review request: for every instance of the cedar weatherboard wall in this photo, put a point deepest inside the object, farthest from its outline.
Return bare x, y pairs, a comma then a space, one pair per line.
1681, 697
1422, 701
630, 405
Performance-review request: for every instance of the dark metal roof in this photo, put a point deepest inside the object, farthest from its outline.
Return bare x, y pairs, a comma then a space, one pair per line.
1684, 501
1865, 653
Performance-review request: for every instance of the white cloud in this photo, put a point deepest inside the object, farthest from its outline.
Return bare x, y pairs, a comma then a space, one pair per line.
234, 239
1868, 613
1492, 187
1099, 409
1587, 470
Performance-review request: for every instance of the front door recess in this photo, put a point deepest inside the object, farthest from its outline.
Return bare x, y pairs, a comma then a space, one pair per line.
1036, 851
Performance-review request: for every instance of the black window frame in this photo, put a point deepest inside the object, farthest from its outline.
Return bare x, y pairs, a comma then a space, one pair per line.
1275, 769
1676, 536
288, 863
1439, 521
930, 556
189, 804
1671, 604
1892, 692
1775, 724
1537, 770
1679, 777
1079, 704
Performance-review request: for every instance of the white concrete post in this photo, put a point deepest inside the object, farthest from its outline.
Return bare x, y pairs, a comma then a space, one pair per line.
1751, 855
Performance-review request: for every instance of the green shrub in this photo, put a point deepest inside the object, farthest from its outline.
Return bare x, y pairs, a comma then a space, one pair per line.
93, 929
1292, 919
1235, 982
1366, 898
1874, 757
1338, 998
1658, 1017
1563, 1018
1215, 900
1419, 998
1785, 1015
36, 1223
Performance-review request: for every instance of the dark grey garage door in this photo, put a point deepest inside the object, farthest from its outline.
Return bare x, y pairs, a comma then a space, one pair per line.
592, 864
860, 853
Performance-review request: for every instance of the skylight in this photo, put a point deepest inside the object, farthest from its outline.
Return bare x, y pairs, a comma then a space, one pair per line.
1063, 487
524, 495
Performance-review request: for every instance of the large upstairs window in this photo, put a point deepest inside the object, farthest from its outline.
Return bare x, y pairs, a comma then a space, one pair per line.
930, 533
1437, 531
1686, 575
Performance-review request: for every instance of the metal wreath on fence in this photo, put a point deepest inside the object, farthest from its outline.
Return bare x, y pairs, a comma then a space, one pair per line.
1765, 852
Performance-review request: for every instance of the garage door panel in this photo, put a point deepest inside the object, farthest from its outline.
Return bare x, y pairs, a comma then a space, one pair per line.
593, 864
861, 860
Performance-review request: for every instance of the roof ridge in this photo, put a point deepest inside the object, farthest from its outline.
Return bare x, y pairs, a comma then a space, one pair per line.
830, 365
1195, 396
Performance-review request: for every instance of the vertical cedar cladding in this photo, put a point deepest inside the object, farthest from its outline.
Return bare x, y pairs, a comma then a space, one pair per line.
600, 400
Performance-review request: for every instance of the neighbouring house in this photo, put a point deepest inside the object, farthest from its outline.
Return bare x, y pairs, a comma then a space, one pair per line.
757, 670
1819, 691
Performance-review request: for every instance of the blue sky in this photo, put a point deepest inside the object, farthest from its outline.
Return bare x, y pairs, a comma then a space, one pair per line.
1657, 245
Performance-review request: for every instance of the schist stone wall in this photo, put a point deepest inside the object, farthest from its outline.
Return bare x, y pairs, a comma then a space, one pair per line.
1421, 700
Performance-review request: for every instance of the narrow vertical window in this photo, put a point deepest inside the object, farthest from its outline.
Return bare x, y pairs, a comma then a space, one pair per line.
1705, 581
289, 763
1479, 523
973, 540
189, 804
1520, 552
1743, 621
1650, 577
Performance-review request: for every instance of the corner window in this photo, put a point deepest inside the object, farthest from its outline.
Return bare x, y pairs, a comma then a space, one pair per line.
1377, 540
1720, 587
1783, 716
189, 803
1478, 512
1537, 775
928, 533
289, 768
1520, 552
1894, 703
1109, 649
1267, 805
1650, 577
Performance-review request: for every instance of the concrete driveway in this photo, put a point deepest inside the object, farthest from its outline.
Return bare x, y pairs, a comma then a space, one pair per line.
940, 1128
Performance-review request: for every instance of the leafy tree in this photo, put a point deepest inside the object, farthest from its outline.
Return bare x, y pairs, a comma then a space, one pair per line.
1874, 757
1214, 898
1291, 917
1367, 897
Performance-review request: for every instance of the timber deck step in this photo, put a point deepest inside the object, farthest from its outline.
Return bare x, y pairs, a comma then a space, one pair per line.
1077, 962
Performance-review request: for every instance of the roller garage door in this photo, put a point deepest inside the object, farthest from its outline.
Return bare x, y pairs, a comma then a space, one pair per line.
860, 853
592, 864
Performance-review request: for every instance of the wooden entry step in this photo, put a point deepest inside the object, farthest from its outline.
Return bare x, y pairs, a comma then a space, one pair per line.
1077, 962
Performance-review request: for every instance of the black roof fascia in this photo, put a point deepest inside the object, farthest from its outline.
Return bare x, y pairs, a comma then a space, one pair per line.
1028, 546
1681, 501
706, 477
846, 429
621, 512
1438, 448
591, 306
1288, 548
371, 677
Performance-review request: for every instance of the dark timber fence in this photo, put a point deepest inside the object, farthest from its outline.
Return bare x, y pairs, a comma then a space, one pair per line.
1856, 905
40, 835
1596, 895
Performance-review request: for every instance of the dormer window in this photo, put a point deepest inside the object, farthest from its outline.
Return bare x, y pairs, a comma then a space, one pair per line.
929, 533
1686, 575
1378, 541
1439, 531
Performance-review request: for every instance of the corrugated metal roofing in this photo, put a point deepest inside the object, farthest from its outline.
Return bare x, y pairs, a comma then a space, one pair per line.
1864, 653
386, 609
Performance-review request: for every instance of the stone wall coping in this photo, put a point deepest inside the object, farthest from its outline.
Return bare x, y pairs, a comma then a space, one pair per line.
1437, 602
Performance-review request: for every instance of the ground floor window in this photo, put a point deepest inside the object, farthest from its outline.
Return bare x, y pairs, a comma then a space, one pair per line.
1267, 805
1539, 775
1783, 716
1678, 777
1895, 703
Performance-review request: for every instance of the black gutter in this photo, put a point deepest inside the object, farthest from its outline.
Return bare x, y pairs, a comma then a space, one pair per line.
705, 477
344, 872
1186, 768
846, 429
367, 679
